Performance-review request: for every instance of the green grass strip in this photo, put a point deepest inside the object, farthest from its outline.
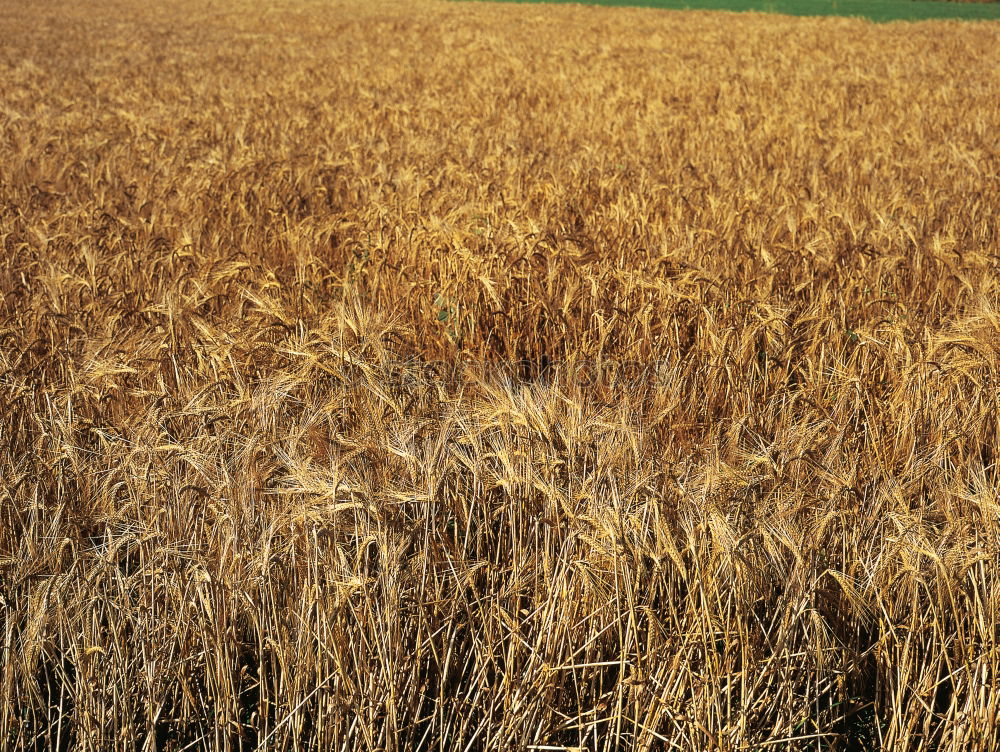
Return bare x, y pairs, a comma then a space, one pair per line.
875, 10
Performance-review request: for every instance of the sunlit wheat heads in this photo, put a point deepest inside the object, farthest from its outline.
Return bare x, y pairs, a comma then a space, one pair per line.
433, 376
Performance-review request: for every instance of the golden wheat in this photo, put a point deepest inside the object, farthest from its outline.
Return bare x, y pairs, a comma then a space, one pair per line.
398, 376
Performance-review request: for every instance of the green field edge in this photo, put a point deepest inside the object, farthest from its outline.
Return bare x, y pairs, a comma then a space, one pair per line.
879, 11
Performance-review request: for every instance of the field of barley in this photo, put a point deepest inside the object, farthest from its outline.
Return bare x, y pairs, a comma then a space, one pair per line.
397, 376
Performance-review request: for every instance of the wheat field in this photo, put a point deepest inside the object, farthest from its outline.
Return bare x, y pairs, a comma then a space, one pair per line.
437, 376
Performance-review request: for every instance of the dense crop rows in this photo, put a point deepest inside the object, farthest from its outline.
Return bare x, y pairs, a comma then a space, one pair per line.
395, 376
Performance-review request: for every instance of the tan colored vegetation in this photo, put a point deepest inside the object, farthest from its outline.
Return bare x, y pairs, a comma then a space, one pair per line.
232, 517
